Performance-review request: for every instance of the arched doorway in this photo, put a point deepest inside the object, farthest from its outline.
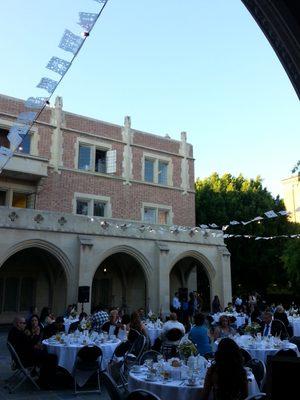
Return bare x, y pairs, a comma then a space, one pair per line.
188, 275
120, 281
31, 277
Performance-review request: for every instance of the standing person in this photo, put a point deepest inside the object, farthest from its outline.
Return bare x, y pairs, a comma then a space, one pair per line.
176, 305
191, 306
226, 378
252, 300
216, 305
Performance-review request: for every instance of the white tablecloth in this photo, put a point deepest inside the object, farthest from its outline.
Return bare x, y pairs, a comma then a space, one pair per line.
295, 322
176, 389
66, 354
68, 322
260, 351
153, 333
240, 320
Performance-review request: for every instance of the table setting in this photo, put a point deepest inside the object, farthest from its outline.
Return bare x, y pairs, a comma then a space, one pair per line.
68, 321
154, 329
260, 347
66, 346
294, 320
175, 378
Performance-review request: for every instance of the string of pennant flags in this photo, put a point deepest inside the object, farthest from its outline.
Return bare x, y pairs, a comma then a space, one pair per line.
71, 43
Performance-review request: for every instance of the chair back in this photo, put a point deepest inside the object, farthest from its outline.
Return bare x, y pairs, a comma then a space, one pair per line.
122, 349
14, 356
138, 346
141, 394
150, 354
89, 354
246, 355
111, 386
257, 396
286, 353
174, 334
258, 369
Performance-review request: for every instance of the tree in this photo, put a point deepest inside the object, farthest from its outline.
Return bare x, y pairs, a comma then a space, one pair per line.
255, 265
291, 260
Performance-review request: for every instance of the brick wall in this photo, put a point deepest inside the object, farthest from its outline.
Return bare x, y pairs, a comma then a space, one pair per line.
57, 190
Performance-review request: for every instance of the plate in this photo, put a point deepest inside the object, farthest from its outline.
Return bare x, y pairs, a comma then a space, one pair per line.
151, 379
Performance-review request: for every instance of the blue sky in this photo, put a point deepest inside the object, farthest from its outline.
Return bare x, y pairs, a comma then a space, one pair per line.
201, 66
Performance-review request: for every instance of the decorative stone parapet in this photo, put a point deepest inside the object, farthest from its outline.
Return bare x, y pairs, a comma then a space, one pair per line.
30, 219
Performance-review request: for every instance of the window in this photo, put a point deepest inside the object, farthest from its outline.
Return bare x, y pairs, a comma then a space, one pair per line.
23, 200
149, 170
82, 207
156, 215
92, 206
2, 197
157, 170
24, 147
162, 173
84, 158
93, 158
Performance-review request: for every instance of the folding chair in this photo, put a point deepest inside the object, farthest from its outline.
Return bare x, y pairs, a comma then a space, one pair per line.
21, 371
88, 362
258, 369
111, 386
141, 394
257, 396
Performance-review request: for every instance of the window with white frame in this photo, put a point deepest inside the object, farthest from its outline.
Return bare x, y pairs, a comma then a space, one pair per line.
153, 214
157, 170
90, 206
24, 147
97, 159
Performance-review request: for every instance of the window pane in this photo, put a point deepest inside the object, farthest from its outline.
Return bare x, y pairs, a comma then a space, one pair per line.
84, 158
25, 145
163, 217
27, 294
163, 173
150, 215
149, 170
2, 197
99, 209
100, 161
82, 207
3, 138
19, 200
11, 294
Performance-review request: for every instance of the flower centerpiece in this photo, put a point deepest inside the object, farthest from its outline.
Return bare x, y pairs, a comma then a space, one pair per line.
187, 349
85, 325
252, 329
152, 316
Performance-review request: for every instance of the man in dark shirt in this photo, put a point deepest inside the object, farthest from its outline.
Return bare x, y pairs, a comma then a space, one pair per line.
30, 355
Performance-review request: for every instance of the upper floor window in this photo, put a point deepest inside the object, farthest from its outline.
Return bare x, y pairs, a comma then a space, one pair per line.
156, 214
90, 205
157, 170
92, 158
2, 197
24, 147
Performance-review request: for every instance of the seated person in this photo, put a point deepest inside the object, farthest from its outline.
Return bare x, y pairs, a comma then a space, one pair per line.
223, 329
111, 326
46, 317
199, 335
34, 331
54, 328
142, 314
30, 354
172, 324
280, 315
137, 325
229, 308
74, 326
274, 327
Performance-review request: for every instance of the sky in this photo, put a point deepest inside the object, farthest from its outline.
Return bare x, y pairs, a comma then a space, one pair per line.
200, 66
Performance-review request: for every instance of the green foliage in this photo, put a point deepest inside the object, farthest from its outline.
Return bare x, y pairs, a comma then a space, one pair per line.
254, 264
291, 260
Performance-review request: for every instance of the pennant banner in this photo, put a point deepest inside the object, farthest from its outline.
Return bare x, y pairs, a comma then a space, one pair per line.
87, 20
70, 42
36, 102
58, 65
47, 84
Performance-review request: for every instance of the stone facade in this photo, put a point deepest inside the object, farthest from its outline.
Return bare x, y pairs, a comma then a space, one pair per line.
291, 187
67, 221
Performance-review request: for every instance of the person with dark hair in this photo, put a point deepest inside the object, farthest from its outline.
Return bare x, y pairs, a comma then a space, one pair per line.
199, 335
46, 317
54, 328
226, 378
281, 315
34, 331
136, 323
223, 329
216, 305
74, 326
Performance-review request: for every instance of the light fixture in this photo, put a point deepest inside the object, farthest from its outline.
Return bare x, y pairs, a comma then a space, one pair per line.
104, 270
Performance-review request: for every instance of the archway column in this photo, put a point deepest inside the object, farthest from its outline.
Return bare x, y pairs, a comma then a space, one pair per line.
164, 285
85, 277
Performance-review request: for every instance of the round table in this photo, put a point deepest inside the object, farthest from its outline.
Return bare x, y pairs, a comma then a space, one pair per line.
295, 322
66, 354
260, 350
177, 389
153, 333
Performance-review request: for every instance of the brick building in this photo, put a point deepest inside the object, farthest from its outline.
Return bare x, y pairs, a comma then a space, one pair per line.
89, 203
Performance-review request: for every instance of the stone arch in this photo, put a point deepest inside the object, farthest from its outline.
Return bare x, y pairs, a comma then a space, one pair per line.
126, 283
146, 266
44, 245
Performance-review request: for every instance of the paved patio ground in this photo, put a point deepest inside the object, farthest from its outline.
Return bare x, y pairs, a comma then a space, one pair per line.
26, 391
